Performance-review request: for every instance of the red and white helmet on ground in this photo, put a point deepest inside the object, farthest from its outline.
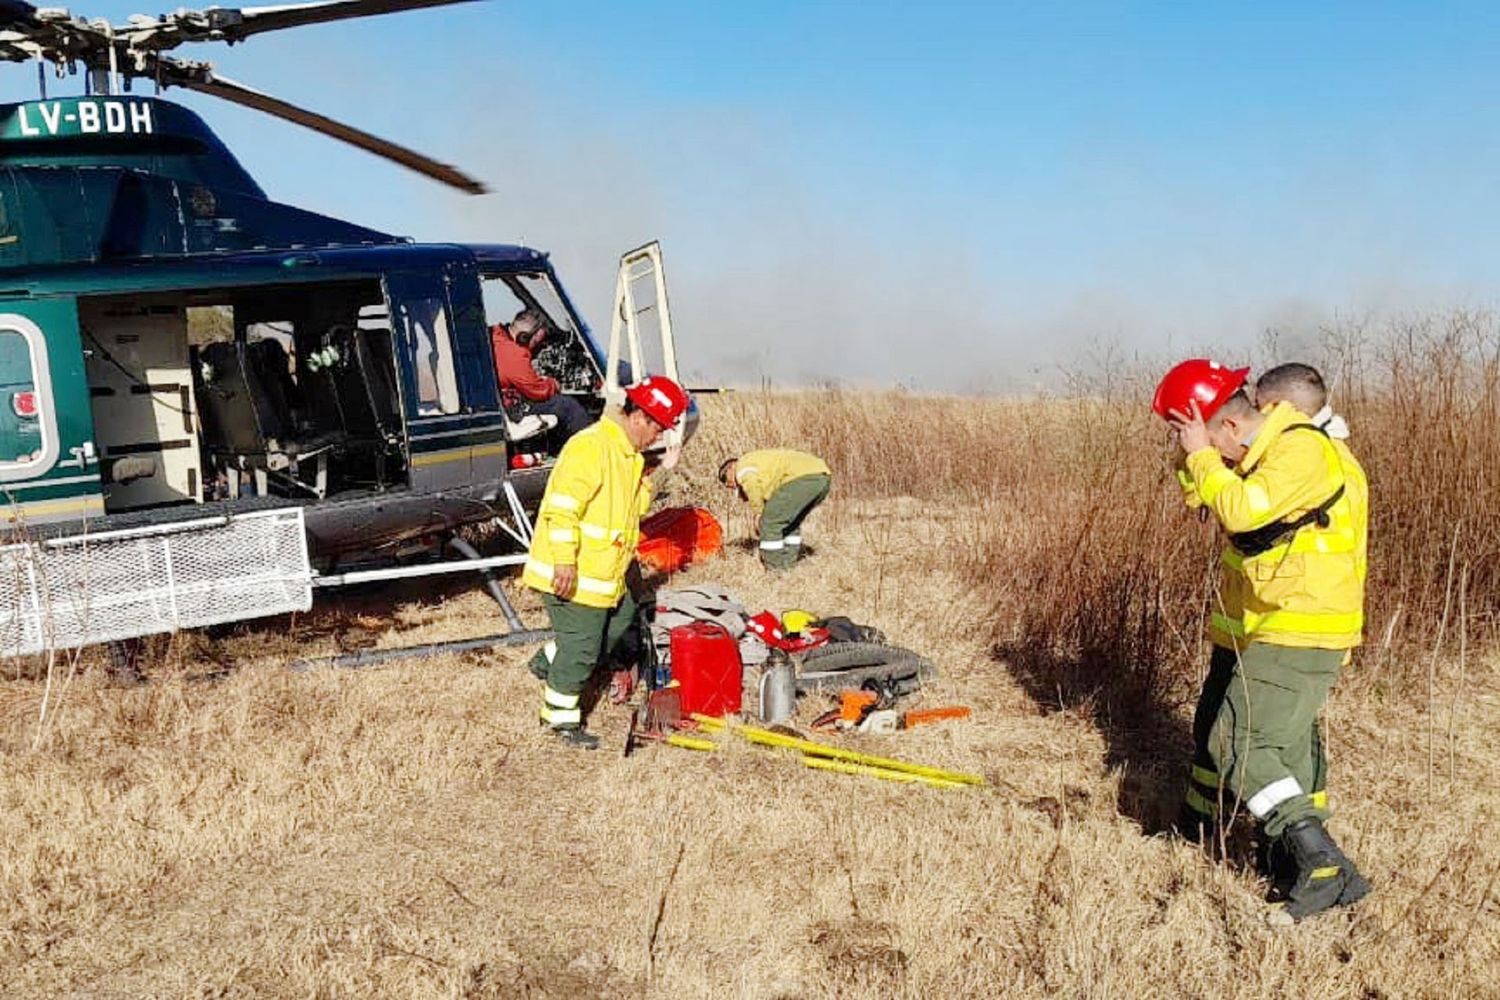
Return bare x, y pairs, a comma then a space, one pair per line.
1208, 382
659, 398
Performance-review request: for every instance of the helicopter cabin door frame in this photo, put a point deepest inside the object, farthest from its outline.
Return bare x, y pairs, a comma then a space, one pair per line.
641, 294
49, 465
455, 425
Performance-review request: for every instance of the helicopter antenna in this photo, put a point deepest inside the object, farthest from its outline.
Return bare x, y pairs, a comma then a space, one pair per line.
114, 55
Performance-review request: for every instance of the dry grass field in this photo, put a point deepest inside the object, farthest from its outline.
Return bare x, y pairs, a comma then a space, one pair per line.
235, 829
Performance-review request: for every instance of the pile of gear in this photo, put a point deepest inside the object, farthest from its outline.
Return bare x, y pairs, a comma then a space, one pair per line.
781, 656
704, 648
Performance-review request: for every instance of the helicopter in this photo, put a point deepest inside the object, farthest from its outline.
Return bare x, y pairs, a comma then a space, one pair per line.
213, 403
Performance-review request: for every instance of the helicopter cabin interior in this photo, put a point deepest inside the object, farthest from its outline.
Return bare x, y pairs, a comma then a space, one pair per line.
309, 391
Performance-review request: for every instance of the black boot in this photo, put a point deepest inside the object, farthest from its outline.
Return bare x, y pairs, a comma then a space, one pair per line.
1274, 863
1320, 876
1356, 887
576, 737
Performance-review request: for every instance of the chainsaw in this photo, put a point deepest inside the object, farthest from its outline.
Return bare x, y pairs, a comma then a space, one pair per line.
873, 711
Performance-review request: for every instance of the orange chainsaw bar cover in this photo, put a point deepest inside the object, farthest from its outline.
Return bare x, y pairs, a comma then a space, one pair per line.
677, 537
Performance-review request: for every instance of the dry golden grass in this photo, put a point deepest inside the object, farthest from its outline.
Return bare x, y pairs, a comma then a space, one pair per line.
236, 829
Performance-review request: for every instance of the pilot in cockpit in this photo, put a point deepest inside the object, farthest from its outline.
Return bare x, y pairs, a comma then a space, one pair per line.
522, 389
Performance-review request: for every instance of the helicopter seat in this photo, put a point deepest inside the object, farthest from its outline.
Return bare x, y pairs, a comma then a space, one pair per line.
375, 361
266, 365
248, 413
243, 417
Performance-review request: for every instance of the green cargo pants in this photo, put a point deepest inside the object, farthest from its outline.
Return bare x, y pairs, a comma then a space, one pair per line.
1204, 788
1256, 736
586, 637
781, 521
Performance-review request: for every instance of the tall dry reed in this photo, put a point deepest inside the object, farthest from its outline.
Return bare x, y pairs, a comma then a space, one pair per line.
1073, 505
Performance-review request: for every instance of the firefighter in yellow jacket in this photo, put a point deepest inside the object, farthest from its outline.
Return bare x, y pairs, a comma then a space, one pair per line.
1290, 608
782, 486
584, 543
1303, 386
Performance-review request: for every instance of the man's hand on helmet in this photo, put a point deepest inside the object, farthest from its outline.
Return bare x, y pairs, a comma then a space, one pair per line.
1192, 431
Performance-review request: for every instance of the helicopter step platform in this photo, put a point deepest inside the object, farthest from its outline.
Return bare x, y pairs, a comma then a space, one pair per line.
83, 589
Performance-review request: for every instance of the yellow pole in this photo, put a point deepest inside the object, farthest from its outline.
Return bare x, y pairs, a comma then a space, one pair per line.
767, 738
843, 767
690, 743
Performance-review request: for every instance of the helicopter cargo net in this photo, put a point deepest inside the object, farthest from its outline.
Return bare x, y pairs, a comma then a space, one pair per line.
88, 589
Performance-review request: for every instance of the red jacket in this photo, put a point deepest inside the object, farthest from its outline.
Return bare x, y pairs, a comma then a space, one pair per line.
513, 363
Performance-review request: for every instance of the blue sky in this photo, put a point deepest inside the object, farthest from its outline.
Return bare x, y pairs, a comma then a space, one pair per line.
955, 196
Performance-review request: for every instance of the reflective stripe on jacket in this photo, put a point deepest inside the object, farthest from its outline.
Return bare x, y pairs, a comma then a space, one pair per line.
1308, 589
590, 515
761, 473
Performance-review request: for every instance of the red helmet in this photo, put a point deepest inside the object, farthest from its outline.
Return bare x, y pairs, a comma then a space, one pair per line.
659, 398
1208, 382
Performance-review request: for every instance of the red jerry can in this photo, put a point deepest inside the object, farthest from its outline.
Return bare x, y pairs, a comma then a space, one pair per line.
706, 666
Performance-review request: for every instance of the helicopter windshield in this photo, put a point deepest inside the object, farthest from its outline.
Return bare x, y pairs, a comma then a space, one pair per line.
544, 293
563, 355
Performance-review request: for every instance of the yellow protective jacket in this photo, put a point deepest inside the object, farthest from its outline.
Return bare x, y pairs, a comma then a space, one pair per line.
761, 473
590, 515
1306, 589
1358, 489
1357, 486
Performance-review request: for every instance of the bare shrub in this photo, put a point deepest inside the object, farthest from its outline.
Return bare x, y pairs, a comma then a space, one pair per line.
1423, 397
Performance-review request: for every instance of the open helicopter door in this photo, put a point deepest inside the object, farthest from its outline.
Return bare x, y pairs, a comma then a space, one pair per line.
641, 325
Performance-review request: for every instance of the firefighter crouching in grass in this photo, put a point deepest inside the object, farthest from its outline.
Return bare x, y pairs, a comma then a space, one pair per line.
1289, 610
782, 486
584, 544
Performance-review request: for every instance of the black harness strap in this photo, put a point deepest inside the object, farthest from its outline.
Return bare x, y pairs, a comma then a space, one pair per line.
1267, 537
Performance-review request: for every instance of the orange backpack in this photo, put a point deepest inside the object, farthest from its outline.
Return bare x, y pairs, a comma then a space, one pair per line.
677, 537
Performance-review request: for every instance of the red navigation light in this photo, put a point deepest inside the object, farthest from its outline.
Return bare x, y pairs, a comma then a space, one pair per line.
24, 403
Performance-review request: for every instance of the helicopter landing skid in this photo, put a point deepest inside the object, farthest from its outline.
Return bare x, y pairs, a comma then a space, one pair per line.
518, 635
371, 657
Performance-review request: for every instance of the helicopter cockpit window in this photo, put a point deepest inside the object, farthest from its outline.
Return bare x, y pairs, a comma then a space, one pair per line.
539, 289
28, 425
426, 323
562, 356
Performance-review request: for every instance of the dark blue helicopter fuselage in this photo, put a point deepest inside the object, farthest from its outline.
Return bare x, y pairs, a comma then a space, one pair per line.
107, 201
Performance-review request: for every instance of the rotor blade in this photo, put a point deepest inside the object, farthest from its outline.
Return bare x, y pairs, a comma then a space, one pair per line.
254, 20
15, 46
205, 81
